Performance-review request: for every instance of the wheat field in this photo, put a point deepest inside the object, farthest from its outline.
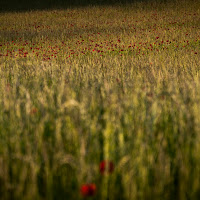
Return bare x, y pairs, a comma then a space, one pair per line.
87, 85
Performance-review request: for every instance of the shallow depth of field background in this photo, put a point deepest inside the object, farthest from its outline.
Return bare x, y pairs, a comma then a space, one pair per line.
83, 84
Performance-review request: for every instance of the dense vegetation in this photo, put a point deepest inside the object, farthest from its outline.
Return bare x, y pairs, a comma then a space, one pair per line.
82, 87
20, 5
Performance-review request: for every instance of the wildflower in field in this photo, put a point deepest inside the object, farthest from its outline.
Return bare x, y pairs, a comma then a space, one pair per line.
8, 87
88, 190
106, 166
33, 111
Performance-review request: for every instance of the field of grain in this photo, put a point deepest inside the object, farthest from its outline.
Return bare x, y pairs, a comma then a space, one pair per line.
100, 102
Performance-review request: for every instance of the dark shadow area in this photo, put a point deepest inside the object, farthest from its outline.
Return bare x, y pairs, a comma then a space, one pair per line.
26, 5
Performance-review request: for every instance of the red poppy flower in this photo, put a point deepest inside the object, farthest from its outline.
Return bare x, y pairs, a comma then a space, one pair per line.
33, 111
106, 166
88, 190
